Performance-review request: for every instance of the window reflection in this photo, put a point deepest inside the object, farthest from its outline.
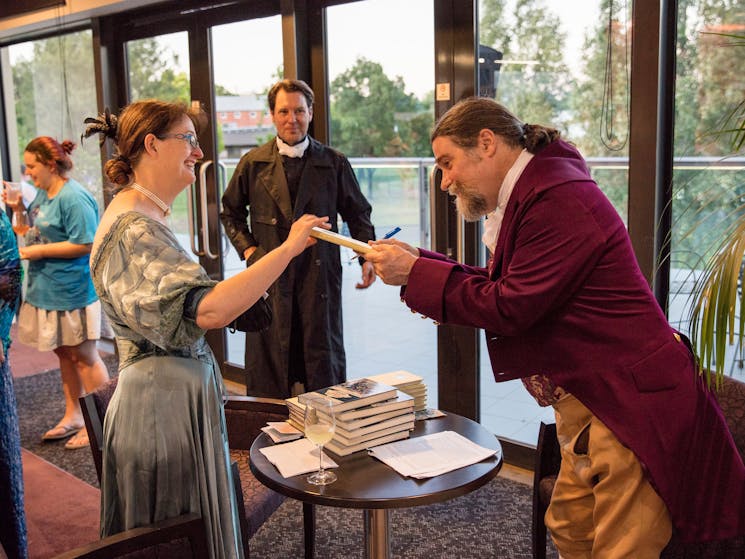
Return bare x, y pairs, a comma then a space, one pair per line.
568, 69
53, 91
709, 171
381, 93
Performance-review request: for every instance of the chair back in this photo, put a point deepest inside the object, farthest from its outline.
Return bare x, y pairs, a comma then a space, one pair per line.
731, 398
94, 406
175, 538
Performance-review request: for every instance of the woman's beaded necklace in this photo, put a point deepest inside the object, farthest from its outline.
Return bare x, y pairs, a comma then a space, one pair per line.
157, 201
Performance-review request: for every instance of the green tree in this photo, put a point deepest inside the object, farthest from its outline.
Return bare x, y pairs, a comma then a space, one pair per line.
54, 91
373, 116
709, 87
152, 74
536, 91
25, 107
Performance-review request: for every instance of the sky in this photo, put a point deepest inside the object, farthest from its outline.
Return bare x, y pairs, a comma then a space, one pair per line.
402, 44
246, 54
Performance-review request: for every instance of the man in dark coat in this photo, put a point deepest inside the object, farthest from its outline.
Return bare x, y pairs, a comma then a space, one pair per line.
645, 448
273, 185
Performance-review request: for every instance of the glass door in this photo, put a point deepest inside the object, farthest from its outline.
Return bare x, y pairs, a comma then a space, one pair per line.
226, 67
241, 118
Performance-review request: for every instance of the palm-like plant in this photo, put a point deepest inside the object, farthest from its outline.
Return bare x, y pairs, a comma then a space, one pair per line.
718, 297
715, 299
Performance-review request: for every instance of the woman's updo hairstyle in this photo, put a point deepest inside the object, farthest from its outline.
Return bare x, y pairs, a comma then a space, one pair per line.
49, 151
129, 129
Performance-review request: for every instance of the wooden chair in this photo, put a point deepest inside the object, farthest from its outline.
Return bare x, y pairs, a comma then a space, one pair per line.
244, 417
547, 463
731, 398
175, 538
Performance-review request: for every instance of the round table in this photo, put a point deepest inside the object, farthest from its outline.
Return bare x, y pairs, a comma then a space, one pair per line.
367, 483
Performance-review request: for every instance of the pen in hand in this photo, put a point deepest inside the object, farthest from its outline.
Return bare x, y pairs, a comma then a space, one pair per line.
386, 236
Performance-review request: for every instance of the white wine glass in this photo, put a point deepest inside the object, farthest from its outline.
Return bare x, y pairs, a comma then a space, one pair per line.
320, 424
20, 222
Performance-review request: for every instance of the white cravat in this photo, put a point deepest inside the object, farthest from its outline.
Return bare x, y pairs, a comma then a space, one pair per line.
292, 151
493, 221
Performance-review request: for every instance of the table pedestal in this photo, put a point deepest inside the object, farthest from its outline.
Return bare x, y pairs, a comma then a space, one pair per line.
378, 544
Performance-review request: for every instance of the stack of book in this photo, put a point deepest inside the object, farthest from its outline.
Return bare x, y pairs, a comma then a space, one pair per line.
407, 382
368, 413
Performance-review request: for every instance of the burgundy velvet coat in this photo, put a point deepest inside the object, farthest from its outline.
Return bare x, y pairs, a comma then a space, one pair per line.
564, 297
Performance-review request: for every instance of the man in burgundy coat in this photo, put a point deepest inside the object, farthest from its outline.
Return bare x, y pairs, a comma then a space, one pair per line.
564, 306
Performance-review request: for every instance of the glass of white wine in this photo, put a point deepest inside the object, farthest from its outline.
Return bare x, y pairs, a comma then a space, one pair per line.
20, 222
320, 424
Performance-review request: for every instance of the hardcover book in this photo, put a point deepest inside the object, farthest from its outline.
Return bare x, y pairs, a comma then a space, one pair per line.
401, 405
353, 394
401, 401
347, 438
406, 382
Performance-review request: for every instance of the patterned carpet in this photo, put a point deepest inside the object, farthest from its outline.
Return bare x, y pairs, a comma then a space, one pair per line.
491, 522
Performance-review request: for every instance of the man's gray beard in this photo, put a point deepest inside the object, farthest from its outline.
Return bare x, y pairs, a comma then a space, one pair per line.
475, 208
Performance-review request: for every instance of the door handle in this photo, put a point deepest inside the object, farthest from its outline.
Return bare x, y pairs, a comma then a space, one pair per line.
435, 179
190, 220
221, 185
202, 184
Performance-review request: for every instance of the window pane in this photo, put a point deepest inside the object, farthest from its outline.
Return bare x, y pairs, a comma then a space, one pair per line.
159, 68
556, 66
381, 108
709, 175
242, 113
53, 92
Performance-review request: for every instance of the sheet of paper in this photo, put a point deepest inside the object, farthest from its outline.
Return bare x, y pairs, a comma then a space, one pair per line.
431, 455
295, 458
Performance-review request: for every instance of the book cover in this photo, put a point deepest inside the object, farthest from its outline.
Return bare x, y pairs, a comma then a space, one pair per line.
401, 401
406, 382
376, 413
398, 378
353, 393
343, 450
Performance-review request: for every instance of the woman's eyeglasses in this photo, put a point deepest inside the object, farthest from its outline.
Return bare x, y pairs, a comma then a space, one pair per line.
190, 138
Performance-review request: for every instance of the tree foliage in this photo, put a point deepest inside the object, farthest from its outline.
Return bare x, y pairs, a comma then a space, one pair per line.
151, 72
54, 90
373, 116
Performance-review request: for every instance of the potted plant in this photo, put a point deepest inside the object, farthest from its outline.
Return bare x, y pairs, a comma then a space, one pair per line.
716, 321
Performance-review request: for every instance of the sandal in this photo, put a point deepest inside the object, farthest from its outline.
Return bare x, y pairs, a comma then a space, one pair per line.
80, 440
60, 432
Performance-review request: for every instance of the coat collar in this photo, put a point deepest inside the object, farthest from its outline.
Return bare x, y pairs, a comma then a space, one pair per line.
556, 164
273, 179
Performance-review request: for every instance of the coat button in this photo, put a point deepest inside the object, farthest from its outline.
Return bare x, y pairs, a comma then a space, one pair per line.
274, 221
318, 261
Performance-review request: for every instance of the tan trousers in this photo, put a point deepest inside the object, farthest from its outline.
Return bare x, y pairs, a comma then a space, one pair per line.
602, 505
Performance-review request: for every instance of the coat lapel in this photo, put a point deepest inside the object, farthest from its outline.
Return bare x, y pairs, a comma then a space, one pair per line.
273, 179
311, 179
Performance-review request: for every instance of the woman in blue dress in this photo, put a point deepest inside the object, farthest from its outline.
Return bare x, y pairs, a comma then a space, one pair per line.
165, 448
13, 523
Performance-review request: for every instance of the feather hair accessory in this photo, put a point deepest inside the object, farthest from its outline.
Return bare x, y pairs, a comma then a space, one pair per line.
104, 124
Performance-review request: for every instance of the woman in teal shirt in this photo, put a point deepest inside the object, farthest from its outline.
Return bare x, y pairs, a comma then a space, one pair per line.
61, 311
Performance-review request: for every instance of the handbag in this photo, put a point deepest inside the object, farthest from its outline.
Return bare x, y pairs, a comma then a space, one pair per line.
256, 318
